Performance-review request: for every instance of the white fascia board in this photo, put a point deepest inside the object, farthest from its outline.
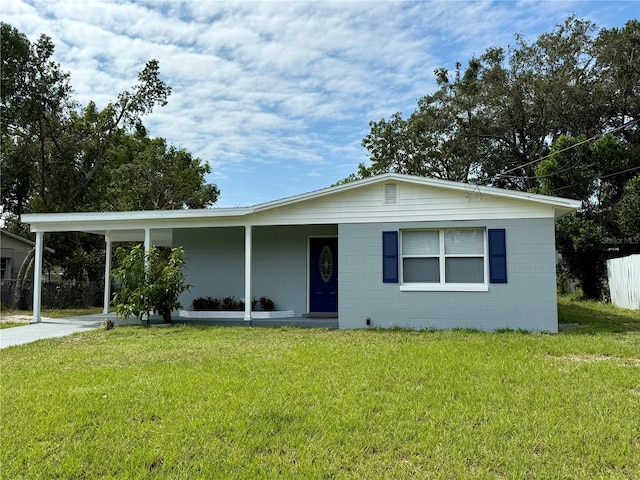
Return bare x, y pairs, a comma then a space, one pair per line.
103, 221
134, 215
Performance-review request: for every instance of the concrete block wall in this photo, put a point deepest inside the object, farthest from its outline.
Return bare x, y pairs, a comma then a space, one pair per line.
527, 301
215, 263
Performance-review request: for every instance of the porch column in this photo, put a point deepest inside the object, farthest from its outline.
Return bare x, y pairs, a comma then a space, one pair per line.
147, 265
247, 272
37, 277
107, 276
147, 240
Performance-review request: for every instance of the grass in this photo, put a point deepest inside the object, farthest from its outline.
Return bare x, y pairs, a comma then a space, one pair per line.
11, 324
222, 402
597, 317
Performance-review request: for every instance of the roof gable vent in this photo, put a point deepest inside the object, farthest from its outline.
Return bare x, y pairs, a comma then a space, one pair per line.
390, 194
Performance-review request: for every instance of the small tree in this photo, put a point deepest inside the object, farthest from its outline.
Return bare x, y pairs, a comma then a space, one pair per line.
150, 282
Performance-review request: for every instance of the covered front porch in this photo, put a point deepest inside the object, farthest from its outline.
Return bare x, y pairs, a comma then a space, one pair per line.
294, 265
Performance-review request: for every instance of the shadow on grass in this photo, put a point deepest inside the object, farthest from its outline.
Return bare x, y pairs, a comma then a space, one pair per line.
590, 317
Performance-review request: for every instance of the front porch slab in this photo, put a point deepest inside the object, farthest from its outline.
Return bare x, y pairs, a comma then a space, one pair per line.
226, 314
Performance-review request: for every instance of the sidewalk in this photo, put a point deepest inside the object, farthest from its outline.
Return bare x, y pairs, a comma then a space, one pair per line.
56, 327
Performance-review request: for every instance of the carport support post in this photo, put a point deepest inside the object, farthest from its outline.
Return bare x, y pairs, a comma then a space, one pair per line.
247, 272
147, 264
37, 277
107, 276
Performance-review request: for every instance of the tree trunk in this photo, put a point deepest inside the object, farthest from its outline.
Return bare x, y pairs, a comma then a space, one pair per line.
166, 315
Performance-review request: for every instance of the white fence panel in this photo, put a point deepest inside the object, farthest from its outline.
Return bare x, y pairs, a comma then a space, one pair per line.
624, 281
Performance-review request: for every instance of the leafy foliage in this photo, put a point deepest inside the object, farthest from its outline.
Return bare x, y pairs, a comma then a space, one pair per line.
54, 152
230, 304
147, 174
629, 211
56, 156
203, 304
267, 304
150, 282
600, 174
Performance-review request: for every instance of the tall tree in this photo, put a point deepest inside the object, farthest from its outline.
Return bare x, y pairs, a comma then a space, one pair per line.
36, 100
490, 122
150, 175
496, 120
600, 174
52, 152
58, 157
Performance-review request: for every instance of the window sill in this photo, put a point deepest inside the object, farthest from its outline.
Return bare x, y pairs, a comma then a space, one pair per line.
450, 287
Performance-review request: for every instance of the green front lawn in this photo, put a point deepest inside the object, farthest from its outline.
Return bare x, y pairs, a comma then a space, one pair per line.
222, 402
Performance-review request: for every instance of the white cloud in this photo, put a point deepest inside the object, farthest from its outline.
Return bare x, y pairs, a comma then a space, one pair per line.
278, 90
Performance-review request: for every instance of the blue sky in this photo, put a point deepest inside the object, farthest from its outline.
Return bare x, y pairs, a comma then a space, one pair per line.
277, 96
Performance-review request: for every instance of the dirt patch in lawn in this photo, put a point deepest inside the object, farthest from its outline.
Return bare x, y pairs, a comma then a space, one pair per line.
19, 318
620, 361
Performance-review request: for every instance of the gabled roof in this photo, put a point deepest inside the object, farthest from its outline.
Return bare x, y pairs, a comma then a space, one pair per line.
20, 239
104, 222
25, 241
467, 188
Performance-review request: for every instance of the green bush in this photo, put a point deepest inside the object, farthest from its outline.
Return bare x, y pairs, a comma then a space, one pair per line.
230, 304
150, 282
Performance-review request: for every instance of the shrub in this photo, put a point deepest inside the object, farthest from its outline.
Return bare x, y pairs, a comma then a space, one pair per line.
150, 281
205, 303
230, 304
267, 304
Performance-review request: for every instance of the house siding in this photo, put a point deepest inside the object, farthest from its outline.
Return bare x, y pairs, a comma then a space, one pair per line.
215, 263
527, 301
14, 251
415, 203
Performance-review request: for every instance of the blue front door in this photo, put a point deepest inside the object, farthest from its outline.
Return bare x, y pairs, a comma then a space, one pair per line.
323, 274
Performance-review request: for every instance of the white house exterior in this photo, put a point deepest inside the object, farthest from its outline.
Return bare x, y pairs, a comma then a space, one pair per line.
386, 251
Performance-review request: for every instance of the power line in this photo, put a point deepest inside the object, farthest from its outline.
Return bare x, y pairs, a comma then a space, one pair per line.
603, 176
622, 127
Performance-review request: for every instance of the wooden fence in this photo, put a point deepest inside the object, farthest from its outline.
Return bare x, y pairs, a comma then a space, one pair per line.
624, 281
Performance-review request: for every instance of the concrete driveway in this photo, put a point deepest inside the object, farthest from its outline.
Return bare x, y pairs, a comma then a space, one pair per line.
56, 327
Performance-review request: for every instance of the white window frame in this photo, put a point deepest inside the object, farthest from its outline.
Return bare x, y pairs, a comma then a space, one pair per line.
442, 286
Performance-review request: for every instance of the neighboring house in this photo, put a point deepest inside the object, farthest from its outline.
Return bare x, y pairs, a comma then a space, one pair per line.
13, 250
386, 251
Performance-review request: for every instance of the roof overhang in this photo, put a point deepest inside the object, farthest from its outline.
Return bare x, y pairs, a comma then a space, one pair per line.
130, 226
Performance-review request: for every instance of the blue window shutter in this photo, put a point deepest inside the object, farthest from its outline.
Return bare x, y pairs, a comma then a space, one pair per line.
390, 257
497, 256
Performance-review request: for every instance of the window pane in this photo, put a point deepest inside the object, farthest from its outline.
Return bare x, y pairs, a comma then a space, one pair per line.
421, 270
464, 270
465, 242
420, 243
